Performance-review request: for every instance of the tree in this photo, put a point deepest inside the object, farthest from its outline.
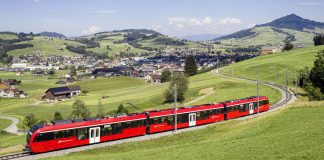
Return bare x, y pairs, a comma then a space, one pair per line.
57, 116
288, 46
73, 71
30, 120
84, 92
80, 110
190, 68
317, 72
318, 40
166, 75
304, 77
100, 109
182, 88
121, 109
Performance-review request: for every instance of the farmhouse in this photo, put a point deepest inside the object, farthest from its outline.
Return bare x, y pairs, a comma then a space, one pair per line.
61, 93
270, 50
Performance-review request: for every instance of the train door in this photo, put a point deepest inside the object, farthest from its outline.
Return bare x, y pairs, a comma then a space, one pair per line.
251, 110
94, 135
192, 119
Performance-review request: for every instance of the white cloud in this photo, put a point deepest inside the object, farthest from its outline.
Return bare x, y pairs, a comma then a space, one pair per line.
195, 21
207, 20
309, 3
176, 19
180, 25
229, 20
106, 11
91, 30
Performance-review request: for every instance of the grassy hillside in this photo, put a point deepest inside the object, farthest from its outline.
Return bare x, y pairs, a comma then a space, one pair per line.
287, 134
122, 90
46, 46
268, 35
7, 36
275, 64
4, 123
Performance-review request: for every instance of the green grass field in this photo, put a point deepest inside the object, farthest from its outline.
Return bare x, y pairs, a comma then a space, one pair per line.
293, 133
123, 90
266, 36
4, 123
275, 65
6, 36
47, 46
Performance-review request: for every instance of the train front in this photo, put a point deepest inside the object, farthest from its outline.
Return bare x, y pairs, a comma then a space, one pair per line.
30, 137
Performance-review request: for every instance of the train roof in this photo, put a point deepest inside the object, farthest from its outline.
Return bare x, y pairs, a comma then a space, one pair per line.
181, 110
88, 122
243, 100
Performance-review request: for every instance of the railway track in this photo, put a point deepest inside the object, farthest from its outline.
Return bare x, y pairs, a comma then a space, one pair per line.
287, 97
14, 155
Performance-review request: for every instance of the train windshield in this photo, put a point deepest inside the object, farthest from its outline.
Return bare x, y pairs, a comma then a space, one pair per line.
31, 131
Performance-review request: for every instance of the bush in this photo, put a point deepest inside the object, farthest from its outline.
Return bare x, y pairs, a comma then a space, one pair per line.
30, 120
182, 88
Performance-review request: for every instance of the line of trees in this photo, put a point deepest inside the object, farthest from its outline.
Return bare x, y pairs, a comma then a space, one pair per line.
312, 80
318, 40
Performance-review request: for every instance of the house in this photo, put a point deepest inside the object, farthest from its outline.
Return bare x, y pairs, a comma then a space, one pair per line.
13, 93
60, 82
19, 73
61, 93
153, 78
4, 86
75, 90
270, 50
68, 75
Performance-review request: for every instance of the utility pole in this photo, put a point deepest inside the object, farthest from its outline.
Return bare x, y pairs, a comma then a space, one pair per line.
287, 86
258, 90
296, 82
175, 108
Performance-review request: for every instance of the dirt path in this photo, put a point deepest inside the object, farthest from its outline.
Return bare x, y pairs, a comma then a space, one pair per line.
12, 128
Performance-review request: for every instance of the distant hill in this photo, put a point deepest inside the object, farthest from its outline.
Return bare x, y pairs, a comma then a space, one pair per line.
294, 22
200, 37
290, 28
118, 43
52, 34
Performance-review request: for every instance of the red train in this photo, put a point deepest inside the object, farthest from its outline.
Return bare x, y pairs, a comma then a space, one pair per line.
71, 133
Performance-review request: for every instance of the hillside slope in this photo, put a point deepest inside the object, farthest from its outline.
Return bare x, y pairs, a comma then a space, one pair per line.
115, 43
290, 28
273, 68
289, 134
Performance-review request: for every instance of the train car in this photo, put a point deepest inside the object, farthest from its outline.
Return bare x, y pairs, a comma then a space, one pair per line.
72, 133
246, 106
163, 120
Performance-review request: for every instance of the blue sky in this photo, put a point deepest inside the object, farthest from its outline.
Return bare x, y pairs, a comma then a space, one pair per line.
171, 17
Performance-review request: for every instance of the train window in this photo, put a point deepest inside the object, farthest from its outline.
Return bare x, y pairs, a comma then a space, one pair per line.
44, 137
59, 134
117, 128
242, 109
179, 119
164, 119
82, 133
69, 133
126, 125
171, 119
156, 120
185, 117
134, 124
106, 130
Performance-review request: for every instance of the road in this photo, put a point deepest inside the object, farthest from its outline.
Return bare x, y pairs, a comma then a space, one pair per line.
274, 107
12, 128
